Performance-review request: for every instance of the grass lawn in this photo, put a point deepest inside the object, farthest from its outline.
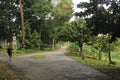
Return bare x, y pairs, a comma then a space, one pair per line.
23, 52
38, 56
7, 74
103, 66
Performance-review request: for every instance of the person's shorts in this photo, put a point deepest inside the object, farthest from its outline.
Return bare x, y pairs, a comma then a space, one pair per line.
9, 54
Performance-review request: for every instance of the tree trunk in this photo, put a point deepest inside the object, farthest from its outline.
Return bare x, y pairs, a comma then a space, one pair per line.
22, 23
82, 44
53, 44
100, 55
109, 54
81, 52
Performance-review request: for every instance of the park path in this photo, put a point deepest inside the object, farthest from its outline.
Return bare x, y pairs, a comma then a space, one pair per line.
56, 66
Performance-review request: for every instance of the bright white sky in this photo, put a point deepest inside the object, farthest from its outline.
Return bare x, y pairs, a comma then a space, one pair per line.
77, 2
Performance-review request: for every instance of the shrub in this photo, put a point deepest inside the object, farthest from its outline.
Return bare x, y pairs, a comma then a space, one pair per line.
73, 48
90, 51
32, 38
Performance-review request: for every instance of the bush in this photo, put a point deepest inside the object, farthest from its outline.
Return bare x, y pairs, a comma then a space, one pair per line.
73, 48
90, 51
32, 38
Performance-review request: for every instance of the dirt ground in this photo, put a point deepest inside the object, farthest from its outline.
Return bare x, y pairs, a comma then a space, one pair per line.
56, 66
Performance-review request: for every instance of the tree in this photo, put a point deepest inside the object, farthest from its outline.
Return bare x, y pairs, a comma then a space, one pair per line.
22, 23
62, 12
10, 21
75, 31
7, 16
103, 20
38, 13
32, 38
42, 11
50, 19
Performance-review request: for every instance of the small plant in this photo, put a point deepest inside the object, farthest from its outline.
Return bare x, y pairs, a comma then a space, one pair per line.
90, 52
73, 48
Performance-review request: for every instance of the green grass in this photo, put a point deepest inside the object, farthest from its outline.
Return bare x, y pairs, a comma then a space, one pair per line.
38, 56
102, 65
116, 55
6, 73
92, 62
24, 52
2, 73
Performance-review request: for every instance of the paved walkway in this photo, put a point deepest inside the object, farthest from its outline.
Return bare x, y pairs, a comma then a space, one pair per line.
56, 66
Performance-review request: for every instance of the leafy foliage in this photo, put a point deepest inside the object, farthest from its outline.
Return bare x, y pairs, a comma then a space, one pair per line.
32, 38
73, 31
103, 19
7, 24
73, 48
102, 43
42, 8
92, 52
62, 12
41, 16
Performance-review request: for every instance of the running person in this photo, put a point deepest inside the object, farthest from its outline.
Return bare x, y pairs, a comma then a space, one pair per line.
9, 51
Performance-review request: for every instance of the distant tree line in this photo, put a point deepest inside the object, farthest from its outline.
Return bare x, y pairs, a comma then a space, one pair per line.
42, 19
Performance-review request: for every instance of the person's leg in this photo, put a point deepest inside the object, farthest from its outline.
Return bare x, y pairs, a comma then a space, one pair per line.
10, 58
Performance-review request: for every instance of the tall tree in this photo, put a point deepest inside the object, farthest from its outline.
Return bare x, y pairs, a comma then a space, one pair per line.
75, 31
105, 17
7, 20
42, 10
62, 12
22, 23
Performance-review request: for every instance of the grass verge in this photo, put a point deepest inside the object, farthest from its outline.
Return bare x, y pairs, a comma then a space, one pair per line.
7, 74
38, 56
24, 52
103, 66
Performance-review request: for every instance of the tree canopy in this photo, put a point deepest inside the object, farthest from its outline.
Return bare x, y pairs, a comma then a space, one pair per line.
41, 17
102, 16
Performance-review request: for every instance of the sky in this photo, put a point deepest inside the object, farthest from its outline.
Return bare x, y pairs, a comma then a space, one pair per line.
77, 2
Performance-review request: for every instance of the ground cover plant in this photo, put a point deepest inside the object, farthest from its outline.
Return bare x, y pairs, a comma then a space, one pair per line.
92, 59
7, 74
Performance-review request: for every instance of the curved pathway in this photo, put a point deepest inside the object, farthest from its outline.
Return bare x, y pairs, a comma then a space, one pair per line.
56, 66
